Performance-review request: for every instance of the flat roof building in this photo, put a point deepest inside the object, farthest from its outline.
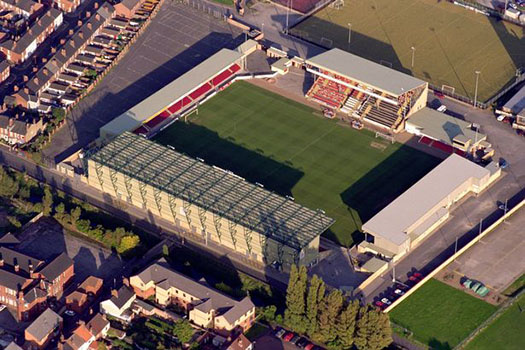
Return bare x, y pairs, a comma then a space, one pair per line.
425, 205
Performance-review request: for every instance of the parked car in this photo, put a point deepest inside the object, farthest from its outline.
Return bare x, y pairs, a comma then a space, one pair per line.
399, 292
70, 313
279, 332
295, 339
380, 305
288, 336
503, 163
386, 301
309, 346
302, 342
442, 109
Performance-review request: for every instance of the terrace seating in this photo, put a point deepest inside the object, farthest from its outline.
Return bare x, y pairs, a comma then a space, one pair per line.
221, 77
140, 130
200, 91
177, 106
328, 92
235, 68
381, 113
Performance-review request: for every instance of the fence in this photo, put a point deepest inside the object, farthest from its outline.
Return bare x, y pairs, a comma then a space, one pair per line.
215, 11
504, 307
487, 11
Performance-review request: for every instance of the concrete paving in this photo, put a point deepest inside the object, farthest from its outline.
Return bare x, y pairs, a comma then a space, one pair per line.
498, 259
176, 40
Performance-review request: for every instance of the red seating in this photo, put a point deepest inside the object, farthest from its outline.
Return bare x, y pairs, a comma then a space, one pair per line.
200, 91
177, 106
235, 68
140, 130
221, 77
426, 141
165, 114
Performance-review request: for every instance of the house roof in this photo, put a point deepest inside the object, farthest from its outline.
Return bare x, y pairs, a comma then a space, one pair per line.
24, 5
80, 336
210, 299
12, 257
3, 65
394, 220
9, 238
33, 294
129, 4
366, 72
97, 324
76, 296
44, 324
12, 280
38, 27
12, 346
124, 294
91, 282
240, 343
56, 267
70, 48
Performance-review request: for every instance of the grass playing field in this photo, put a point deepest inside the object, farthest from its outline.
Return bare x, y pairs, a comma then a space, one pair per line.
440, 315
506, 332
450, 42
291, 149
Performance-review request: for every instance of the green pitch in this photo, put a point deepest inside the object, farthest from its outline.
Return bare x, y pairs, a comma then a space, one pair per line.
506, 332
450, 42
291, 149
440, 315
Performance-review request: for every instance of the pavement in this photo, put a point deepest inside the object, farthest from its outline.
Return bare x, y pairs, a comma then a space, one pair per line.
176, 40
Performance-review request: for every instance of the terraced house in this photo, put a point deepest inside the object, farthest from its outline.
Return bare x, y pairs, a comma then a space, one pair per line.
27, 283
25, 8
206, 307
17, 51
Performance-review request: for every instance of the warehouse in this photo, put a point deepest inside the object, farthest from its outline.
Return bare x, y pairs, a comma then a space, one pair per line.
208, 202
424, 206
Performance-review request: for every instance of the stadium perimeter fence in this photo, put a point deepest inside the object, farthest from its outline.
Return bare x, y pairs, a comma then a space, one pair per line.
487, 11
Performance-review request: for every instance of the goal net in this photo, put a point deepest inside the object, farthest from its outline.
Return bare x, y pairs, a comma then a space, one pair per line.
385, 136
448, 88
326, 42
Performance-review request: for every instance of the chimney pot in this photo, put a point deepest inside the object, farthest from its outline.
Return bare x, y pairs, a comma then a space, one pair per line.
26, 90
114, 293
81, 34
15, 89
97, 16
36, 80
26, 78
35, 69
96, 5
45, 71
88, 14
44, 59
89, 26
79, 23
53, 50
63, 52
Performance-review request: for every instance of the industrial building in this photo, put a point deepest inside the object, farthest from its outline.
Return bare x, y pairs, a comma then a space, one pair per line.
422, 208
365, 90
208, 202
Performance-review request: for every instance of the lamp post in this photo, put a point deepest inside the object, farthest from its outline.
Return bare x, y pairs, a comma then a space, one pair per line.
413, 55
287, 15
476, 89
349, 33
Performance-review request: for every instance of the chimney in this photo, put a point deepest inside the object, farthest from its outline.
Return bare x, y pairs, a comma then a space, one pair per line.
81, 322
81, 34
88, 14
30, 31
15, 89
54, 49
26, 78
114, 293
17, 267
36, 80
44, 59
79, 23
31, 269
35, 69
70, 32
11, 122
45, 71
97, 16
63, 52
90, 26
42, 284
62, 41
96, 5
26, 90
40, 21
14, 44
125, 280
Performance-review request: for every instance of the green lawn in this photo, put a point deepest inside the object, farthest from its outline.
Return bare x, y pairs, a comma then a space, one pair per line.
256, 331
291, 149
440, 315
506, 332
450, 42
517, 285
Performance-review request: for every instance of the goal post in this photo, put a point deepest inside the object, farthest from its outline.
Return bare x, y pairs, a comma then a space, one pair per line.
326, 42
385, 136
448, 88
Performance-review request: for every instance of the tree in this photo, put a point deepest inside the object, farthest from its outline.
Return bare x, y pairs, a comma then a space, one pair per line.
58, 114
183, 331
294, 315
127, 243
75, 215
47, 202
316, 292
328, 312
165, 250
268, 313
380, 332
345, 327
8, 185
59, 211
362, 329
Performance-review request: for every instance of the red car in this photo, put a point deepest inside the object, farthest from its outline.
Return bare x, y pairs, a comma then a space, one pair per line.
309, 346
380, 305
288, 336
418, 275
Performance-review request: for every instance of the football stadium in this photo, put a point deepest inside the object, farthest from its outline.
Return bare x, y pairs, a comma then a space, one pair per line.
438, 42
243, 167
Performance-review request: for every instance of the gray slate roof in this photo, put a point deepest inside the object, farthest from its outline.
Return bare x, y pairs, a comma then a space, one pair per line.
11, 280
124, 294
364, 71
13, 346
44, 324
24, 5
209, 298
57, 266
218, 190
12, 257
33, 32
9, 238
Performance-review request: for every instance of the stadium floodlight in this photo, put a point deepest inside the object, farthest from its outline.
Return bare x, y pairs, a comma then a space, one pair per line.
349, 33
476, 89
413, 54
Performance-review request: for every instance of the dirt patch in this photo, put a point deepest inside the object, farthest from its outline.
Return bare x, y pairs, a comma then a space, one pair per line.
378, 145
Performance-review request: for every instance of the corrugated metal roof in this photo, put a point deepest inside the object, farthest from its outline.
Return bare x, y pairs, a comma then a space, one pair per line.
517, 103
215, 189
392, 222
364, 71
172, 92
